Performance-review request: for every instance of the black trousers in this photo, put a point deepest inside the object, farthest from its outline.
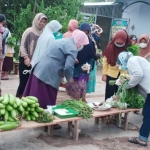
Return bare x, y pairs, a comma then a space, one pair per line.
145, 128
110, 89
23, 78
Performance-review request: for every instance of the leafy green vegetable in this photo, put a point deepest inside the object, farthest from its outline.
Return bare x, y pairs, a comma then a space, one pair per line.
131, 96
134, 49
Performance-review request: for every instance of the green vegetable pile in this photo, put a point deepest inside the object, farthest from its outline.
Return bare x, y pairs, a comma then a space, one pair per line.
83, 110
13, 109
130, 96
134, 49
134, 99
45, 117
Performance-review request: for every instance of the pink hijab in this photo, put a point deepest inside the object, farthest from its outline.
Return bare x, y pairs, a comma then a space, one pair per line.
73, 25
145, 51
80, 37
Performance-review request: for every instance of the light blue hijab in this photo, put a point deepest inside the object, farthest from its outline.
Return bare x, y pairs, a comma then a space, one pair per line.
123, 58
46, 40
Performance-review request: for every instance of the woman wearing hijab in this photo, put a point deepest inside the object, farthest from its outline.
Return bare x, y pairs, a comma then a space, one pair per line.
27, 47
58, 60
110, 70
77, 89
144, 44
96, 30
73, 25
46, 40
8, 60
139, 70
3, 36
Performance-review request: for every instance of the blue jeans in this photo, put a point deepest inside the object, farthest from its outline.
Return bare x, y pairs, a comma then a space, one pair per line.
145, 128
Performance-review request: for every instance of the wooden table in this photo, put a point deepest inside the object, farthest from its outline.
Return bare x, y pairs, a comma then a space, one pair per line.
73, 123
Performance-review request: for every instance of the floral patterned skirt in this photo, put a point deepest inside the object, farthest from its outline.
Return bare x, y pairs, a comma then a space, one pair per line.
77, 89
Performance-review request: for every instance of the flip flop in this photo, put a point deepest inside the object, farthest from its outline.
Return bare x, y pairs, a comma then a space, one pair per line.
134, 141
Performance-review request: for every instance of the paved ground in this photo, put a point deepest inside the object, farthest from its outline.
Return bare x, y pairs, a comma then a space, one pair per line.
92, 137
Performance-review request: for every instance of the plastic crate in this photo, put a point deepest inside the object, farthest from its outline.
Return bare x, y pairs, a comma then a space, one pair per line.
71, 113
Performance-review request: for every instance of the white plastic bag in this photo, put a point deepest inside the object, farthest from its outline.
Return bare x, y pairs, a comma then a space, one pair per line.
49, 109
63, 80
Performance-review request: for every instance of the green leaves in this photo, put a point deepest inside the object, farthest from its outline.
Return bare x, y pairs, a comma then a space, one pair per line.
134, 49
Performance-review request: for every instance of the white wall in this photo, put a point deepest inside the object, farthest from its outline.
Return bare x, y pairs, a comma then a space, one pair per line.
139, 15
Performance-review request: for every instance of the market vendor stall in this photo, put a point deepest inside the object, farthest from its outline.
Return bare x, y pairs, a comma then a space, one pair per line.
26, 113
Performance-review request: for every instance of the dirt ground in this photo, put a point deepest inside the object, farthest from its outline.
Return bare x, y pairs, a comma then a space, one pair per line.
92, 137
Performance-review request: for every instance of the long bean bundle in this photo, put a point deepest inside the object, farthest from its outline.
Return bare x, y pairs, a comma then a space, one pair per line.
83, 110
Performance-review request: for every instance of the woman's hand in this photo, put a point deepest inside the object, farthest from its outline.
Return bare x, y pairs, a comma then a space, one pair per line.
27, 61
104, 78
76, 62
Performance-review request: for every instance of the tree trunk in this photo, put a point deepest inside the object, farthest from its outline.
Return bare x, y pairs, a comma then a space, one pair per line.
34, 8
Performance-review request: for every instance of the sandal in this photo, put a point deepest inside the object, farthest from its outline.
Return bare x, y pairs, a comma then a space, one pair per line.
134, 141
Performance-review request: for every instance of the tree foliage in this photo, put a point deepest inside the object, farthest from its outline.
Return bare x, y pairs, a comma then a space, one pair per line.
21, 13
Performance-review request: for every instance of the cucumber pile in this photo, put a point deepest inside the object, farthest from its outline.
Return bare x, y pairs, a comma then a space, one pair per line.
13, 110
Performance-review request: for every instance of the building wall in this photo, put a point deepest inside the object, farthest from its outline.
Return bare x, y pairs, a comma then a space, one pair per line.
139, 15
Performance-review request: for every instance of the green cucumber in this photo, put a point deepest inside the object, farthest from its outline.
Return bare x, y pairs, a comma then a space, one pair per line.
10, 119
14, 105
39, 109
8, 107
26, 113
11, 99
6, 115
6, 99
1, 98
2, 111
13, 114
28, 101
9, 126
36, 104
32, 105
24, 104
35, 114
18, 101
32, 109
32, 118
2, 106
2, 123
32, 98
28, 118
20, 108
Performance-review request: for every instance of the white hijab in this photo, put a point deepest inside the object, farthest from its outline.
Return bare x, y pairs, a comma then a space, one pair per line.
46, 40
